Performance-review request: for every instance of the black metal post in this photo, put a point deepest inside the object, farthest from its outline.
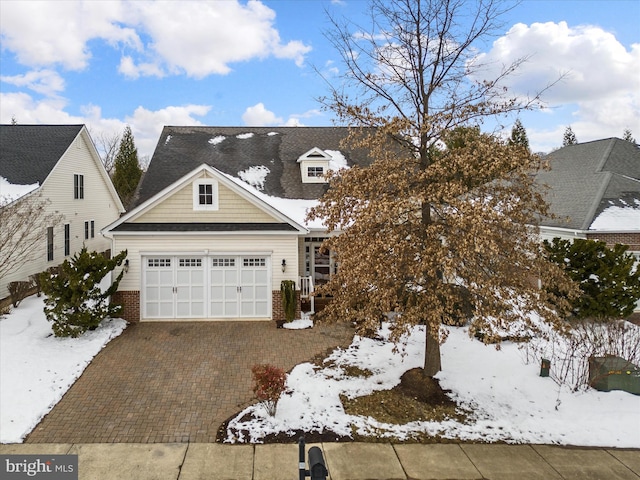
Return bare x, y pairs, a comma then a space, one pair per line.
302, 470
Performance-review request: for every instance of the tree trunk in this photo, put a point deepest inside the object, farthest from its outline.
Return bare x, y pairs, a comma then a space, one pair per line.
432, 363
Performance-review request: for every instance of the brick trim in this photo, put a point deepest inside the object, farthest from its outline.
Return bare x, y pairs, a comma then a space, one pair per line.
277, 307
130, 301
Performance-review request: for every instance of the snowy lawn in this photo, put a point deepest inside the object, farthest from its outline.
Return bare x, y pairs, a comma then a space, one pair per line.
36, 368
510, 401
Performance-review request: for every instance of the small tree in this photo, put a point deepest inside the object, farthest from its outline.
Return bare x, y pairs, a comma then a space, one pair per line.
288, 291
108, 146
127, 171
608, 280
519, 135
569, 138
23, 225
628, 136
74, 300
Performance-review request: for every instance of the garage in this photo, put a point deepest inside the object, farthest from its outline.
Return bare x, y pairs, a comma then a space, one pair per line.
206, 286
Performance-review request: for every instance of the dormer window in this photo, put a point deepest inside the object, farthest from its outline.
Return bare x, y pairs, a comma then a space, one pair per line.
205, 194
315, 171
314, 165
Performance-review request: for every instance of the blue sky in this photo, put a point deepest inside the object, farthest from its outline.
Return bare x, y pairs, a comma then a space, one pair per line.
148, 64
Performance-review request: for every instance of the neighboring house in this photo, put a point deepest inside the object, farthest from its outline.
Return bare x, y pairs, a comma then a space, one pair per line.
219, 221
59, 163
594, 191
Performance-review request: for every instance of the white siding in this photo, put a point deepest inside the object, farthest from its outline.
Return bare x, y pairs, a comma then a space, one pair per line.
278, 246
98, 205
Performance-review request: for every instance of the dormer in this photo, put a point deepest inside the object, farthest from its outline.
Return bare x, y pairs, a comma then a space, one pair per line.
314, 165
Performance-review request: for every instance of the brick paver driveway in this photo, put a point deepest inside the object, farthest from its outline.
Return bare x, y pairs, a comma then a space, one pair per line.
176, 382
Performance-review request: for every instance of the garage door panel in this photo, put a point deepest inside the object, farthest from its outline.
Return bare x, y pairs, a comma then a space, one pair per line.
200, 287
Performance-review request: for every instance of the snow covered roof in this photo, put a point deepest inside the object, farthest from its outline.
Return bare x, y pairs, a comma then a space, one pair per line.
591, 183
264, 158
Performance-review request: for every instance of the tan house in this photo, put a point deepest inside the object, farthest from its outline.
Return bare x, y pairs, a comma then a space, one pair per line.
219, 222
60, 164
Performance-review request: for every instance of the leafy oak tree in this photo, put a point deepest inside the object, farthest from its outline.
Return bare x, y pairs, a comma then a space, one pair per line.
442, 215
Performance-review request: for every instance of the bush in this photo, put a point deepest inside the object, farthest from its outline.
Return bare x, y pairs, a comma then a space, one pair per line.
607, 277
19, 291
288, 290
75, 301
268, 385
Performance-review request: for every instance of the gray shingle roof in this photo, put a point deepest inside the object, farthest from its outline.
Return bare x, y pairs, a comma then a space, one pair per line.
234, 149
28, 153
588, 177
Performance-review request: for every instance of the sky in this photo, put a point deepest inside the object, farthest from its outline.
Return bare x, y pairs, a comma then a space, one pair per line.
111, 63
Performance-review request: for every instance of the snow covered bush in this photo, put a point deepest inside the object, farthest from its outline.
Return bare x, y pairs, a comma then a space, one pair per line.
268, 384
75, 301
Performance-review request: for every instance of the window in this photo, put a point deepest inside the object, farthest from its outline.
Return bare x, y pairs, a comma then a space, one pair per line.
223, 262
190, 262
67, 239
158, 262
93, 229
254, 262
78, 186
205, 195
86, 230
315, 171
49, 244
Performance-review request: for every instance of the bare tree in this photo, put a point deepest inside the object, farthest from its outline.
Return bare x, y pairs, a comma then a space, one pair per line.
429, 228
107, 145
22, 227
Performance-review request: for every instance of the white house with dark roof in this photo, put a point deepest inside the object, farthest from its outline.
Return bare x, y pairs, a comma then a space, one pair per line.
58, 163
218, 221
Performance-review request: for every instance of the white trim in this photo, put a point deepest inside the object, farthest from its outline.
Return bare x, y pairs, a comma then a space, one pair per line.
200, 233
196, 194
225, 180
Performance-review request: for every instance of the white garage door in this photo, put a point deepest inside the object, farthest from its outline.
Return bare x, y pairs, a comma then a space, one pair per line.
206, 287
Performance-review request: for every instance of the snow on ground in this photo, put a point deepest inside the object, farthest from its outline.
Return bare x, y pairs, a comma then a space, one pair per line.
512, 403
36, 368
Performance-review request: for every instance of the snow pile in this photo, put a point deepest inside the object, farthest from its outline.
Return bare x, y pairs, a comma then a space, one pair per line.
10, 192
36, 368
618, 218
244, 136
510, 401
217, 140
338, 161
255, 176
300, 323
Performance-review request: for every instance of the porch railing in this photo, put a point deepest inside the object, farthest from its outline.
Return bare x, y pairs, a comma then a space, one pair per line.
306, 291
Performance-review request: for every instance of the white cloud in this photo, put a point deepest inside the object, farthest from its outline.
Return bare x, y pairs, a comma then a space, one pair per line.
599, 92
46, 82
197, 38
259, 116
45, 33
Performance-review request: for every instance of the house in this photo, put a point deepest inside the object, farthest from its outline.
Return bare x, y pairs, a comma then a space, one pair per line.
218, 221
58, 164
594, 192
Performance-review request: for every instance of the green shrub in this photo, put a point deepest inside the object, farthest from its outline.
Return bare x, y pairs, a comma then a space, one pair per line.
74, 301
288, 290
608, 280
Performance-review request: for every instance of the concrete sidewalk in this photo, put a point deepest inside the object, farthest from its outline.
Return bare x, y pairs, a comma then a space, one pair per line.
210, 461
